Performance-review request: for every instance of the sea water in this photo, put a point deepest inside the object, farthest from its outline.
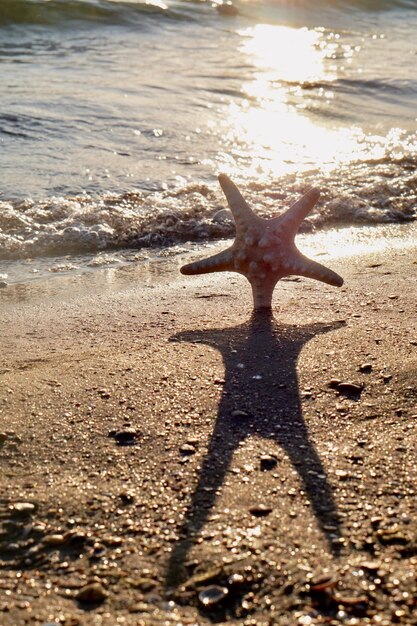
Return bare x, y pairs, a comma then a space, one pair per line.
117, 116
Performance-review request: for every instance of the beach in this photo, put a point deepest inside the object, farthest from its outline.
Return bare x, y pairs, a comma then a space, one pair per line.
169, 458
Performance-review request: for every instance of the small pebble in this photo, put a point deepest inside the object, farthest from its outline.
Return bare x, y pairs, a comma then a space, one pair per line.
187, 449
260, 510
212, 595
140, 607
54, 540
92, 593
323, 582
391, 536
342, 474
11, 547
127, 497
143, 583
351, 600
23, 508
334, 383
75, 537
235, 579
238, 413
268, 462
104, 393
126, 437
349, 388
372, 566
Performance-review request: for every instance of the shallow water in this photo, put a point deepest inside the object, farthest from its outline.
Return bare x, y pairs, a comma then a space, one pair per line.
115, 118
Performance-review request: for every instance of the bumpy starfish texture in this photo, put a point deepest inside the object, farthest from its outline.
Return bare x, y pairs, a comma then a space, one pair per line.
264, 250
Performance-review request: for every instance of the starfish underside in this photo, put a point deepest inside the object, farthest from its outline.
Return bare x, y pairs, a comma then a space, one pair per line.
264, 250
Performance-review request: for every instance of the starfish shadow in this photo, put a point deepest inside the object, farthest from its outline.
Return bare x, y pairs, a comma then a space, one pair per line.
261, 390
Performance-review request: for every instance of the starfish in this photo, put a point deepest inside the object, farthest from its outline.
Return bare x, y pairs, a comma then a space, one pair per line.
264, 250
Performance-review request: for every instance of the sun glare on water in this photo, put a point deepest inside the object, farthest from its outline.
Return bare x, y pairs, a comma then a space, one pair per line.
278, 123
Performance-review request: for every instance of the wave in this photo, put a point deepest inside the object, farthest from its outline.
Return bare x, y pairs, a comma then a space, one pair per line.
363, 5
64, 12
113, 12
367, 193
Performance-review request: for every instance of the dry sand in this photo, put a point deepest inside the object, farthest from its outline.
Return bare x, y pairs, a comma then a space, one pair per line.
161, 448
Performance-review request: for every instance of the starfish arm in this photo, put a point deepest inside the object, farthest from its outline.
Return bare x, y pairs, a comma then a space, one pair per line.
221, 262
242, 212
301, 265
290, 221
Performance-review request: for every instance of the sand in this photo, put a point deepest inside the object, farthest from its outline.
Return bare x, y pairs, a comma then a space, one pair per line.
161, 448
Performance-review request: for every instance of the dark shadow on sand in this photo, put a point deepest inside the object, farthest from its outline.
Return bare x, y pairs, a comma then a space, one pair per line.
266, 388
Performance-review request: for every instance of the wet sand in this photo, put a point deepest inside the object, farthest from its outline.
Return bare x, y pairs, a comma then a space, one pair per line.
161, 448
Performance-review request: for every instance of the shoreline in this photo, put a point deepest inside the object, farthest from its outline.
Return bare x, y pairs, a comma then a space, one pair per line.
162, 441
148, 266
